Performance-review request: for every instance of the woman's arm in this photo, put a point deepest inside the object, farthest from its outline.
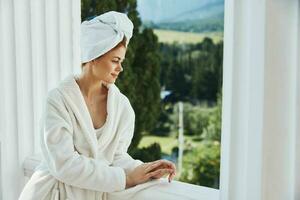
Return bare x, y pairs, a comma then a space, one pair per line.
122, 158
136, 171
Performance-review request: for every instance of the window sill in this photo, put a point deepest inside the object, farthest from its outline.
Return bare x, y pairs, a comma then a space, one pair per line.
203, 193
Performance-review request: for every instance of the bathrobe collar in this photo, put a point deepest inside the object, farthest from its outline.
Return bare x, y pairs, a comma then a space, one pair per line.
74, 98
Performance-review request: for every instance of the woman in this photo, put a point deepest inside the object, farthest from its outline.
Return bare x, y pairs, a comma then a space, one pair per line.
89, 124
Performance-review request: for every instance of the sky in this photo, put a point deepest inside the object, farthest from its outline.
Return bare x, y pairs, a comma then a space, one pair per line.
159, 10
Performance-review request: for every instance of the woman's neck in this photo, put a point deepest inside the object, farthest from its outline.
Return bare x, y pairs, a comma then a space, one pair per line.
91, 87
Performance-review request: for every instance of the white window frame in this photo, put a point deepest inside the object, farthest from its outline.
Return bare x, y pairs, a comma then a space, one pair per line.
260, 128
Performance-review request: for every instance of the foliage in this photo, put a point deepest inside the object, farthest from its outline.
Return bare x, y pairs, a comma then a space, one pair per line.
147, 97
199, 120
213, 130
192, 73
202, 165
196, 119
147, 154
165, 124
201, 160
205, 159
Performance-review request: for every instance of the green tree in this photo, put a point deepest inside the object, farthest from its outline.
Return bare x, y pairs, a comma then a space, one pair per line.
147, 154
206, 75
193, 73
147, 97
196, 118
202, 165
213, 130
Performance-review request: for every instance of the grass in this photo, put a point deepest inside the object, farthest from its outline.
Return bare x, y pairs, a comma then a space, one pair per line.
168, 36
167, 143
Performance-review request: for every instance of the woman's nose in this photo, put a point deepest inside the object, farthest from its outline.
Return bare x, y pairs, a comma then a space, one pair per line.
120, 68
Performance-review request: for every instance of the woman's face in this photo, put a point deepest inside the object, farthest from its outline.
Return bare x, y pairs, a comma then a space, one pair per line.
108, 66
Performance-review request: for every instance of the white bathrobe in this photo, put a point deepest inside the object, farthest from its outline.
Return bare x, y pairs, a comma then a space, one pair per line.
75, 164
78, 166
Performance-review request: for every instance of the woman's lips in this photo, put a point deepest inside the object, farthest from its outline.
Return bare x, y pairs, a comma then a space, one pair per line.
114, 75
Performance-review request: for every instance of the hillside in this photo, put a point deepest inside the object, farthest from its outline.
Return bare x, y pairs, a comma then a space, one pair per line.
167, 36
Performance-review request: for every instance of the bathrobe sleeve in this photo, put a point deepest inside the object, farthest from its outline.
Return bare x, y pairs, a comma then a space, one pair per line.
122, 158
66, 164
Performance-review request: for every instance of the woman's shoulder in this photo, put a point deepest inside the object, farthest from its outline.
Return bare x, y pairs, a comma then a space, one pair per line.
54, 97
120, 94
124, 99
64, 86
128, 109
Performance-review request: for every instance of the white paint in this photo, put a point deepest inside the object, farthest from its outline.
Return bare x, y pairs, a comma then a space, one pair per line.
180, 137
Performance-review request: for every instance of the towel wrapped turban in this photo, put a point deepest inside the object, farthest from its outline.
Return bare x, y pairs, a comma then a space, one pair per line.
102, 33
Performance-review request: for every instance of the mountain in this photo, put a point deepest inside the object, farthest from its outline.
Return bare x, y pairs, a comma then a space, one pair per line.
189, 15
207, 11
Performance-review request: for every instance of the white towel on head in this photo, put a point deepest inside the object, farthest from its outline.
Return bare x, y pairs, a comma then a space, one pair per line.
102, 33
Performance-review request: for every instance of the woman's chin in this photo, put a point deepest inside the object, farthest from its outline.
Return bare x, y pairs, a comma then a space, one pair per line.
111, 81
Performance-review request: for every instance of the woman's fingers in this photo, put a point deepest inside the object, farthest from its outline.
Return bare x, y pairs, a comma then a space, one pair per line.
160, 172
164, 163
170, 164
151, 166
159, 168
167, 163
171, 176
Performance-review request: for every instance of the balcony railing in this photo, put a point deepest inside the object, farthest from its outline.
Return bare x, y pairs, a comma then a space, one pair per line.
199, 192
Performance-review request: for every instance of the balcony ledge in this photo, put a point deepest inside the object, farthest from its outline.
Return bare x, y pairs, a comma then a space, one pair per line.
202, 193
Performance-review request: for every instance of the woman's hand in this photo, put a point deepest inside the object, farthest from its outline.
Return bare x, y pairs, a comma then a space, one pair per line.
147, 171
165, 164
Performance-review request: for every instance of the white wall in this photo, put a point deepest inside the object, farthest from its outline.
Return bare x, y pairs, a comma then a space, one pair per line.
39, 45
260, 131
